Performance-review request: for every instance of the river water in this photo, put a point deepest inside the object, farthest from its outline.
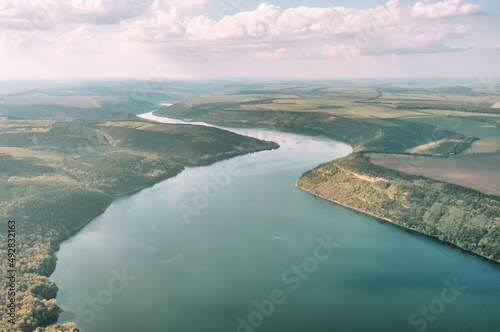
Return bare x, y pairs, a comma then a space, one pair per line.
235, 246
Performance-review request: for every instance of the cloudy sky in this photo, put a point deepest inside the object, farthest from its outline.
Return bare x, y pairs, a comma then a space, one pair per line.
248, 38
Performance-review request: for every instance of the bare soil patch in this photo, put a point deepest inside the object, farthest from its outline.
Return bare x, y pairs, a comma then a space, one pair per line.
480, 171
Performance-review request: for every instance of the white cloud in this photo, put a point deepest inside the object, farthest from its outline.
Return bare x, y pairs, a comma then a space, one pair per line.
188, 4
340, 49
161, 28
268, 36
446, 8
44, 14
271, 55
86, 39
305, 31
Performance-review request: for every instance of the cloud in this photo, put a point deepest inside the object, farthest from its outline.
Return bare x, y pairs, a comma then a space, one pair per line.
414, 38
107, 11
44, 14
86, 39
339, 49
424, 50
309, 31
163, 27
168, 29
445, 9
188, 4
271, 55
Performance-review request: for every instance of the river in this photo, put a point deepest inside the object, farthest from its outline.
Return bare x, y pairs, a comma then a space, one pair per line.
235, 246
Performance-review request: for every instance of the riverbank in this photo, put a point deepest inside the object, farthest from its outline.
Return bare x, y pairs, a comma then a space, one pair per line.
476, 233
392, 222
59, 176
453, 214
204, 263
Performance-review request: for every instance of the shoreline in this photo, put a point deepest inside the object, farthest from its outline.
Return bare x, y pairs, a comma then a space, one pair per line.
75, 230
114, 197
153, 183
169, 175
312, 132
392, 222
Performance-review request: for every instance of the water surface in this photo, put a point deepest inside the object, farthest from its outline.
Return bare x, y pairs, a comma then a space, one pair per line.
211, 246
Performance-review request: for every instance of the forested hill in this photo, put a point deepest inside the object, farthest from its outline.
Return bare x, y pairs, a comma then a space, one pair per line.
452, 213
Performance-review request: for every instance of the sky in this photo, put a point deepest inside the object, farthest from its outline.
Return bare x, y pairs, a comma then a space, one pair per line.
162, 39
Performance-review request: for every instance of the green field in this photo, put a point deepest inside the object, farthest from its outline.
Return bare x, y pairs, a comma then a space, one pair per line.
459, 125
461, 109
415, 118
484, 145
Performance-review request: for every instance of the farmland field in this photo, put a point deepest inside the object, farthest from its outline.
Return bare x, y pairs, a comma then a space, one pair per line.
459, 125
480, 172
381, 109
484, 145
45, 99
